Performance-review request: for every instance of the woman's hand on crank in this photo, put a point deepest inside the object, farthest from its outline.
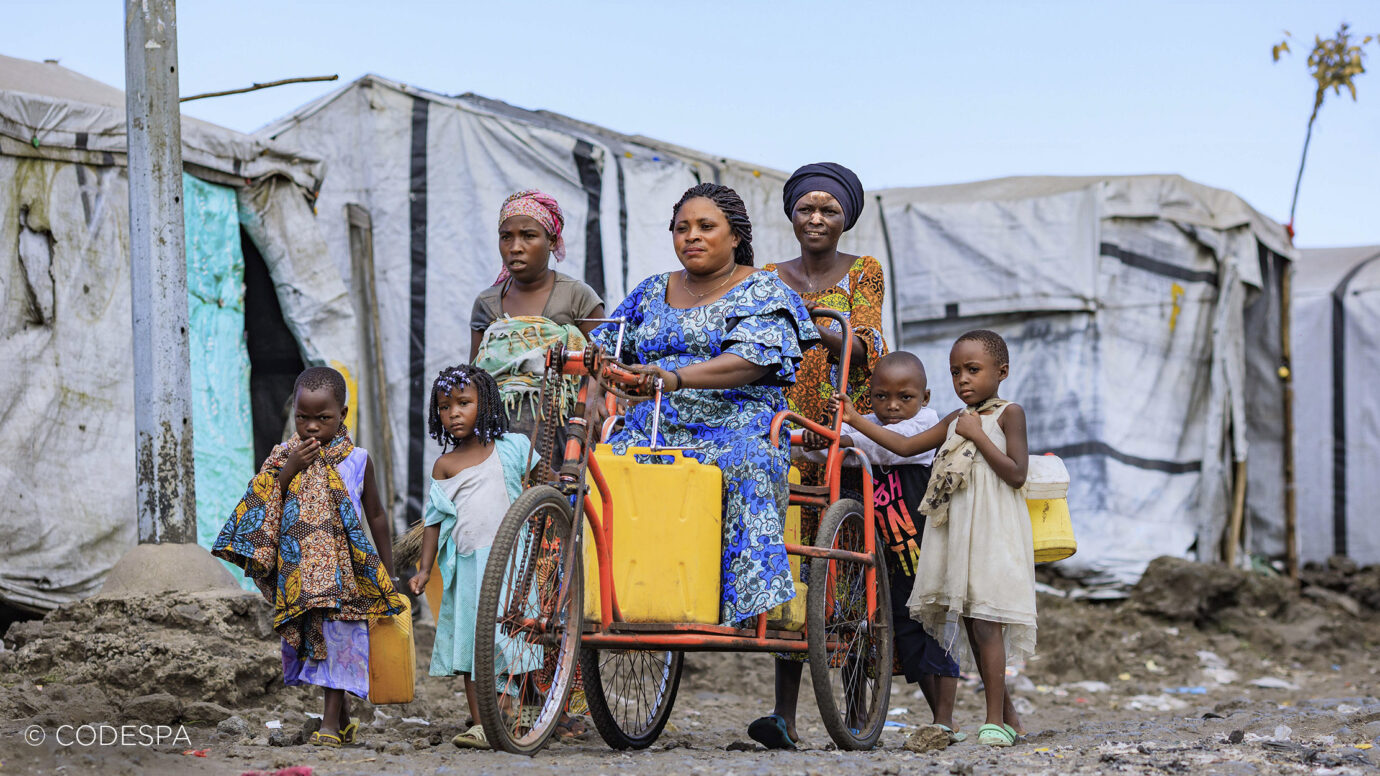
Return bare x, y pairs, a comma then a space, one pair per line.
670, 381
969, 425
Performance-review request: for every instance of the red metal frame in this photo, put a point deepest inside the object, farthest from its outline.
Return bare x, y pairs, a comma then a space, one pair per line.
611, 631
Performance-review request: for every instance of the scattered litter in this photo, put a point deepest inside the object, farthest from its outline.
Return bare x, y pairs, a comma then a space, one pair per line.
1021, 684
1042, 749
1221, 675
415, 721
1210, 659
1153, 667
314, 715
1172, 631
1041, 587
1282, 732
1274, 683
1023, 706
1124, 677
1363, 746
274, 724
1155, 702
196, 752
1186, 690
891, 723
1089, 686
896, 712
1347, 708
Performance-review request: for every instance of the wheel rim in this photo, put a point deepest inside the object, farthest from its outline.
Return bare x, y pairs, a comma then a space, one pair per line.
534, 609
635, 687
852, 646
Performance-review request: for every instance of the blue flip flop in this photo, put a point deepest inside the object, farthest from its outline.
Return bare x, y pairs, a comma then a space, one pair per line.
770, 731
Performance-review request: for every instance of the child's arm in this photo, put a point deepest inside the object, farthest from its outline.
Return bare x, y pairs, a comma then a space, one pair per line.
1009, 466
431, 538
903, 446
378, 519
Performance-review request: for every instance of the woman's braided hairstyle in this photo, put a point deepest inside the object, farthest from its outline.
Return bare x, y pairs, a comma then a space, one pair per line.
491, 423
734, 210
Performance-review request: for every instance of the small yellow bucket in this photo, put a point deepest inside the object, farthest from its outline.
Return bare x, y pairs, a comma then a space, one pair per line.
392, 658
1046, 496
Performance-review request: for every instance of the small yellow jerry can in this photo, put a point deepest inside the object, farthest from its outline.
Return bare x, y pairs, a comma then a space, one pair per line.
667, 528
392, 658
790, 616
1046, 497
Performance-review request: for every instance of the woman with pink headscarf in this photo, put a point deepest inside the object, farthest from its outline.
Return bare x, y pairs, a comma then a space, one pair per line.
529, 307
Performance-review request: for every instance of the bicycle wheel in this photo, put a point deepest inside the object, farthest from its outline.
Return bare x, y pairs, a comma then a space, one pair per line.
850, 648
630, 693
524, 664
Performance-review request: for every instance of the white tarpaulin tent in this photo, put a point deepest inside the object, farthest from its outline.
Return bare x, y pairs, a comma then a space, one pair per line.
1125, 302
410, 204
1336, 335
67, 398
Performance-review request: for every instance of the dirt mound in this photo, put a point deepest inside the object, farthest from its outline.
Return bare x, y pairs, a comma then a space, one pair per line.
1342, 575
87, 658
1182, 590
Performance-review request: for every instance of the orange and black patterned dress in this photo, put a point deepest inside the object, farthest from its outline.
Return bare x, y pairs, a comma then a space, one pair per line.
859, 296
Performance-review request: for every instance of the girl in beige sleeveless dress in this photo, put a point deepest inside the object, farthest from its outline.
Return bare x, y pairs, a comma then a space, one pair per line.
977, 562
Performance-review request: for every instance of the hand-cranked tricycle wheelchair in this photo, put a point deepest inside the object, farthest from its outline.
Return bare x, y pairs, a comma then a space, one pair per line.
532, 612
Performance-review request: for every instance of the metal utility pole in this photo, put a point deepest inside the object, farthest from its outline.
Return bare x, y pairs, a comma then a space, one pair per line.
158, 277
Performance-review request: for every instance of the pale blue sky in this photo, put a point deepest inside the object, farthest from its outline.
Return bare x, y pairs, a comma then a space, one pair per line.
905, 93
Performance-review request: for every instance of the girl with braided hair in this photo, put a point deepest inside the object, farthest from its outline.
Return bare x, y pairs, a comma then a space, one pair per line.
473, 483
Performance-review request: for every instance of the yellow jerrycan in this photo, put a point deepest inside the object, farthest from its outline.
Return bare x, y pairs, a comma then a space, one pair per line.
790, 616
1046, 497
392, 658
667, 527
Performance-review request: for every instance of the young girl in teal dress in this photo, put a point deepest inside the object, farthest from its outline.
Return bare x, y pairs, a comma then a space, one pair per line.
472, 486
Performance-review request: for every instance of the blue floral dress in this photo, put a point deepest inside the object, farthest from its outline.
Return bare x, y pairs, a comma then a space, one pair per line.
763, 321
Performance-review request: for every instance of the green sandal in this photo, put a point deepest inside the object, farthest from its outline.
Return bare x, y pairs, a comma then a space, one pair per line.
996, 735
954, 735
473, 738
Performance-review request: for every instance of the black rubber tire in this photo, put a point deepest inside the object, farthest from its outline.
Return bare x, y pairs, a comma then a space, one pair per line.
606, 671
546, 508
870, 656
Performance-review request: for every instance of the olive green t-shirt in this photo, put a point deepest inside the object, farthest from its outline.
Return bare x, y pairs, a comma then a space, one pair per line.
570, 300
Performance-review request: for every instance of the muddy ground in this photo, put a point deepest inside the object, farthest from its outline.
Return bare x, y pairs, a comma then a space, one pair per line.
1203, 670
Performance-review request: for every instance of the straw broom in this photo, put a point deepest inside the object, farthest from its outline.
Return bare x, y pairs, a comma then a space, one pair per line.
407, 550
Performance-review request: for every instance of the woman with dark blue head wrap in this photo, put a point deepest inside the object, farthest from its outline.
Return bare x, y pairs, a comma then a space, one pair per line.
823, 201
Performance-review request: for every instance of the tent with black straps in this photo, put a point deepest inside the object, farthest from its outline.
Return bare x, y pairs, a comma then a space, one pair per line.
1336, 336
409, 211
67, 395
1143, 315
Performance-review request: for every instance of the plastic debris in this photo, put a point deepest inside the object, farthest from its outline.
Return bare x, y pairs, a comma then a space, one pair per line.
1090, 686
1282, 732
896, 712
1273, 683
1155, 702
1125, 677
1186, 690
415, 721
196, 752
274, 724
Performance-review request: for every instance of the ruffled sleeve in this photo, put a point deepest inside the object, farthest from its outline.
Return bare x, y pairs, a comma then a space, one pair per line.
767, 324
631, 308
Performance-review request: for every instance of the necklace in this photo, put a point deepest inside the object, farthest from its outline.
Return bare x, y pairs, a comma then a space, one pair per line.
806, 274
685, 282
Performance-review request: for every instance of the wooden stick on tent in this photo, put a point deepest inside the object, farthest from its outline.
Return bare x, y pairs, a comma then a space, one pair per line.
1238, 514
257, 86
1291, 517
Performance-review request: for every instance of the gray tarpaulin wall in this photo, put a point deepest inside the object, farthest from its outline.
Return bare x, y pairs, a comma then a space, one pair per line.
1126, 303
1336, 335
67, 400
429, 173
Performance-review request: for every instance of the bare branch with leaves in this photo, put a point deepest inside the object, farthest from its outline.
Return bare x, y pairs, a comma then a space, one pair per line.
1334, 63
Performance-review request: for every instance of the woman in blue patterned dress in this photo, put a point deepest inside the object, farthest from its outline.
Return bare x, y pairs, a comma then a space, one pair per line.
726, 339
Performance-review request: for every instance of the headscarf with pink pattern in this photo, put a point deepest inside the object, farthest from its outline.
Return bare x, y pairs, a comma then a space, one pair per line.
543, 208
